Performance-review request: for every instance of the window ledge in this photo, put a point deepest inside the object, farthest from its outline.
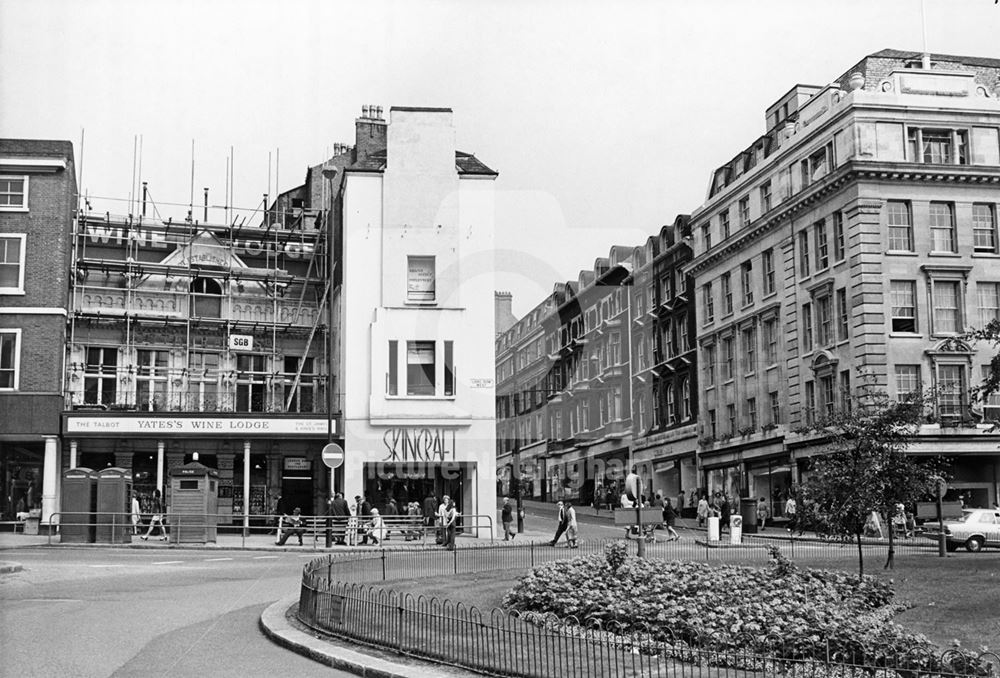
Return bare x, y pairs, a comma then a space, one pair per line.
12, 291
901, 253
773, 366
418, 397
945, 255
906, 335
986, 255
13, 209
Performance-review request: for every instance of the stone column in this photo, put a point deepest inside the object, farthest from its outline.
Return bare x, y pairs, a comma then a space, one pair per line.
160, 446
50, 474
246, 487
73, 446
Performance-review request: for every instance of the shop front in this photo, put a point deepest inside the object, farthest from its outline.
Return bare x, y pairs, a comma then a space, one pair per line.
408, 463
266, 465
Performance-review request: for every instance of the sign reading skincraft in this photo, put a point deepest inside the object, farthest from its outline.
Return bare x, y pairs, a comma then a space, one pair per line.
195, 425
419, 444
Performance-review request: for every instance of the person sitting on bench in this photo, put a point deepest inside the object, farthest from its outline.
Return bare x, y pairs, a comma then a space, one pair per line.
291, 525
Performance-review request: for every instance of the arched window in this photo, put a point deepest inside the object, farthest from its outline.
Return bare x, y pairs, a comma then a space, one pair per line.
206, 298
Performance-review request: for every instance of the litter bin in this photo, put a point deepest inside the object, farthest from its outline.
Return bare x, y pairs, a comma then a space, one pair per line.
194, 504
735, 529
78, 506
748, 511
713, 528
114, 507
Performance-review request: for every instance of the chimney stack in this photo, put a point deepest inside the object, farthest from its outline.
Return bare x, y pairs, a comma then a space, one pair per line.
503, 313
369, 132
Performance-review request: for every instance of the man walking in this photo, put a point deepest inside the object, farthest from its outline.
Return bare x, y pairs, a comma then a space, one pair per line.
341, 513
506, 518
442, 518
562, 525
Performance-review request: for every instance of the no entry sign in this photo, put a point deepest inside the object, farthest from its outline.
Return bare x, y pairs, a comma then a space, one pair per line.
333, 455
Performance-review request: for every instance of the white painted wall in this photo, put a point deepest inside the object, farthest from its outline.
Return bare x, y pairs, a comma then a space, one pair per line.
419, 207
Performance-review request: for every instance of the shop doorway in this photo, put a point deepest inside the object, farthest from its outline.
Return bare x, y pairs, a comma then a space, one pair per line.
405, 484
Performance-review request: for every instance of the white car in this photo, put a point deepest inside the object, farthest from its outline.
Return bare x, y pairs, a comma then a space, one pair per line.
974, 530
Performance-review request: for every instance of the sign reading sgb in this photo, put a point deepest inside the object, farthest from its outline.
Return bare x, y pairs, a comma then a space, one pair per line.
240, 342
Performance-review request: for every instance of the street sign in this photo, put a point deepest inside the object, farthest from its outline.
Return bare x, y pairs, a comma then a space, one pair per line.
633, 487
333, 455
941, 486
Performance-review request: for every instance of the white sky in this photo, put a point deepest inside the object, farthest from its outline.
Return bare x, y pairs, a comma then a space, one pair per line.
604, 119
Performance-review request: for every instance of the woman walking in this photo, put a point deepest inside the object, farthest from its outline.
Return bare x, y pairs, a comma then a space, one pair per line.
702, 511
157, 518
670, 519
571, 526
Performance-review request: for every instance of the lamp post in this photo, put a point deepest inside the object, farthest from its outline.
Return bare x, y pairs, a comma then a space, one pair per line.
517, 487
329, 174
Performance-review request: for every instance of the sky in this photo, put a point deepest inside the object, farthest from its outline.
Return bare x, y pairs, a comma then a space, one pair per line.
603, 119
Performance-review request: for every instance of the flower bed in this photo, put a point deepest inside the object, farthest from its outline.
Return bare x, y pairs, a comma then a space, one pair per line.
780, 610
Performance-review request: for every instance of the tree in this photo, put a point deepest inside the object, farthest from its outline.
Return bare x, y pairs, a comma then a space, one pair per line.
991, 384
865, 467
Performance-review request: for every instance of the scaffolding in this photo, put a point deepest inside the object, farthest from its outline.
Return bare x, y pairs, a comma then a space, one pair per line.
190, 316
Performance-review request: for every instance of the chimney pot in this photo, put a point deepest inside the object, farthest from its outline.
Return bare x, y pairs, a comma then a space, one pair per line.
364, 111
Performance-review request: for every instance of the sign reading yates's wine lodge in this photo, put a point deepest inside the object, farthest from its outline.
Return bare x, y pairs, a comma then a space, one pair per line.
194, 425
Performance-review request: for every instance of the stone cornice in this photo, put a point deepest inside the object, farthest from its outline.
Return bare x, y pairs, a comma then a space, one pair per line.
851, 171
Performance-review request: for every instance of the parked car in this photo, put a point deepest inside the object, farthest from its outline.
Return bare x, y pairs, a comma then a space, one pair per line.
974, 530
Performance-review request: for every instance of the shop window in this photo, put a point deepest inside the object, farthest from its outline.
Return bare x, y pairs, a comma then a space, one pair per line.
12, 263
10, 355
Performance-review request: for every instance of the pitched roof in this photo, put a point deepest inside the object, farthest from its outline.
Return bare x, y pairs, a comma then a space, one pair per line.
465, 163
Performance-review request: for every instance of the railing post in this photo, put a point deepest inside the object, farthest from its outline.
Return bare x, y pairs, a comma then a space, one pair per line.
383, 565
531, 544
454, 554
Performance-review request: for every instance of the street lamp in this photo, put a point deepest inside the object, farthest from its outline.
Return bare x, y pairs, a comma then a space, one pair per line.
517, 487
329, 174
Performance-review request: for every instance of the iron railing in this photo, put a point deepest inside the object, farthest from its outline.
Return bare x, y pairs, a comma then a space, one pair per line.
340, 596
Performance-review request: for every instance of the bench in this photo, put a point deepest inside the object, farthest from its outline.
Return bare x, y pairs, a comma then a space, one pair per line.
352, 529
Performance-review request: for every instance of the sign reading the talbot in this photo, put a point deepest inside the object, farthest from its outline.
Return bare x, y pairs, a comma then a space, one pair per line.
419, 444
102, 425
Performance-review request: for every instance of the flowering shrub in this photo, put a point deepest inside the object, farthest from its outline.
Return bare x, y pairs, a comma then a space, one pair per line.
780, 610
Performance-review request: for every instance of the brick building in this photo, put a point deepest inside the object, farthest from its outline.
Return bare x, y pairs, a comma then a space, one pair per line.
37, 202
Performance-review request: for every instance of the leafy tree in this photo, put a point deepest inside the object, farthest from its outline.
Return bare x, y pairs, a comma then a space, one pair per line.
991, 384
865, 467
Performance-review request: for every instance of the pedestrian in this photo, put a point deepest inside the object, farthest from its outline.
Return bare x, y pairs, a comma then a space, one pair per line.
790, 510
571, 526
609, 499
762, 513
156, 520
341, 514
670, 519
680, 503
391, 510
290, 526
376, 528
430, 511
598, 494
136, 513
702, 511
561, 525
507, 518
414, 518
450, 519
442, 514
364, 512
724, 512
